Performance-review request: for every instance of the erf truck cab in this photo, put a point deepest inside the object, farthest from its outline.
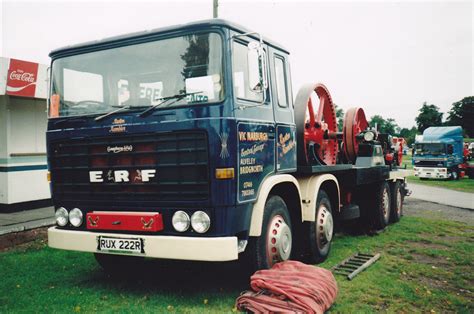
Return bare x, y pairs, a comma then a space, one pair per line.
185, 143
439, 153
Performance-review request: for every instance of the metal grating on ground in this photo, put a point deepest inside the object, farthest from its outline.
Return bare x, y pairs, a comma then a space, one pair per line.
353, 265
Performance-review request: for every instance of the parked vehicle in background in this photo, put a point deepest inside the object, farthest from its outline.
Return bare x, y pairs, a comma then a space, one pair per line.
440, 154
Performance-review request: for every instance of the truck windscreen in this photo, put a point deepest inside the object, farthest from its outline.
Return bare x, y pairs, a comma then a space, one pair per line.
430, 149
139, 75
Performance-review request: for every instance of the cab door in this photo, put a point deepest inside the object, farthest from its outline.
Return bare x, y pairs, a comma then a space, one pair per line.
255, 123
285, 129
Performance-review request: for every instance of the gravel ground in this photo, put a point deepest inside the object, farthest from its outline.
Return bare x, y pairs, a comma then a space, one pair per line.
419, 208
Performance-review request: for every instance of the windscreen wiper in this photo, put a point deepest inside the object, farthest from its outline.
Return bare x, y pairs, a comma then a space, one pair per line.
117, 110
176, 98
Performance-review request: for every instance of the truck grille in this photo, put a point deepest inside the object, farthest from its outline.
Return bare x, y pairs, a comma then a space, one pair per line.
179, 159
428, 163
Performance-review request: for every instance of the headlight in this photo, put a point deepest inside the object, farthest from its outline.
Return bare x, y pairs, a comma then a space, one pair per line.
369, 136
200, 221
61, 216
75, 217
181, 221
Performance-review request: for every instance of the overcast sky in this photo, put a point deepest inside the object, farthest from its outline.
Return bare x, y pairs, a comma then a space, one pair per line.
386, 57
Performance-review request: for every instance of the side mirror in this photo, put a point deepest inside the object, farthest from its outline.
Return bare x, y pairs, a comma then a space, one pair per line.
256, 67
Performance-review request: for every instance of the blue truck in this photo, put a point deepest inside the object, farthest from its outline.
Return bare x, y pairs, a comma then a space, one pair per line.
439, 154
185, 143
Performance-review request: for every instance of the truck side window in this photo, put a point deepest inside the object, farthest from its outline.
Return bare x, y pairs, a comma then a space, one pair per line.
450, 149
281, 82
242, 89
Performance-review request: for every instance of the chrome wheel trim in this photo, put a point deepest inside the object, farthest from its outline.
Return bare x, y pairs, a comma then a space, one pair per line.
279, 240
324, 226
386, 205
399, 202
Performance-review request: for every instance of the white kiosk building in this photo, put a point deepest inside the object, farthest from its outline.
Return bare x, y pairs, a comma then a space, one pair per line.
23, 121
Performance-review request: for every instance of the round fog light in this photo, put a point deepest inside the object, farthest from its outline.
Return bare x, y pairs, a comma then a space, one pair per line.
200, 221
75, 217
180, 221
61, 216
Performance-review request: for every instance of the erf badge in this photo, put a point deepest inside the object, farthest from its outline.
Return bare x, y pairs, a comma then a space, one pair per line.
117, 126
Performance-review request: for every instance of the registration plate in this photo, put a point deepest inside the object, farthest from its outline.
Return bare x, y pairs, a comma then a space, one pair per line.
120, 245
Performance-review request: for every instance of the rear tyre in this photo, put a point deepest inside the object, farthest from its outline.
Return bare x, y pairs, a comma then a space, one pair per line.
320, 231
275, 242
396, 202
118, 264
378, 206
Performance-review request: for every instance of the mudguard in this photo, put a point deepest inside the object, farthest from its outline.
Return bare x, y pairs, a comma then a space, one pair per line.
265, 188
309, 187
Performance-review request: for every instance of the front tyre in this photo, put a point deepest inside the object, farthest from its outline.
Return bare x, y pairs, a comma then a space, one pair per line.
454, 175
275, 242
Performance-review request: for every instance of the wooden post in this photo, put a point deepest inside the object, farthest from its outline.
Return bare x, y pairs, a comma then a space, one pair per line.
215, 9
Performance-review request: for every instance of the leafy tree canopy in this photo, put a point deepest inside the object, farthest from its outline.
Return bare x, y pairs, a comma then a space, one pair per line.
429, 116
384, 125
462, 114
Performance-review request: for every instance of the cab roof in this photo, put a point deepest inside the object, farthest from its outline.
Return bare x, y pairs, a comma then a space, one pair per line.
143, 36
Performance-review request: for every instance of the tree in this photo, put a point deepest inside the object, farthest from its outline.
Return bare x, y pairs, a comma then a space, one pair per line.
339, 117
429, 116
462, 114
409, 135
384, 125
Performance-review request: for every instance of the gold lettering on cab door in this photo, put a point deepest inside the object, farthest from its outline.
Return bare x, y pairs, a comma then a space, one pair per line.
253, 136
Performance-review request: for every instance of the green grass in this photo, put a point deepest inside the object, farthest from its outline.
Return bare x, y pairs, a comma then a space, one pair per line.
425, 265
406, 161
464, 184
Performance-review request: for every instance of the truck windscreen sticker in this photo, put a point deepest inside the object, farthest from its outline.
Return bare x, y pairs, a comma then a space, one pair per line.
256, 158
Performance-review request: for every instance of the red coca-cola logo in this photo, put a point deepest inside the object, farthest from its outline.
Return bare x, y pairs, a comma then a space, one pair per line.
21, 80
20, 75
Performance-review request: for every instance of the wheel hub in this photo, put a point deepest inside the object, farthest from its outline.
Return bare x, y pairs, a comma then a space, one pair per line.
279, 240
324, 225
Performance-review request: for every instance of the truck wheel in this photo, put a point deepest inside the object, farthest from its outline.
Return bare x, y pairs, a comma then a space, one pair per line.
275, 242
321, 230
397, 202
380, 205
118, 264
454, 175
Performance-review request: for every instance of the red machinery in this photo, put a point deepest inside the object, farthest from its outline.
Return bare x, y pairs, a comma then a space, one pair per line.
319, 134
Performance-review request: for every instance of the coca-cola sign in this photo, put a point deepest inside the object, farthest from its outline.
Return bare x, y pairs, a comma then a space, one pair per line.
21, 79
